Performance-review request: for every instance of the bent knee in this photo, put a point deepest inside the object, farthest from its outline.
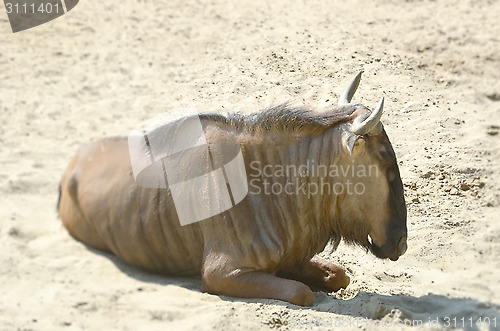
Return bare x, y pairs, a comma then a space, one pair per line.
213, 281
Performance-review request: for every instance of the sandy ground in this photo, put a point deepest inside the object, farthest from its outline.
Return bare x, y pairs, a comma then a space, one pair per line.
103, 68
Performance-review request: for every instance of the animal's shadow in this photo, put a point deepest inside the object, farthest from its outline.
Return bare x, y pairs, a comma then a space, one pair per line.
430, 310
191, 283
366, 309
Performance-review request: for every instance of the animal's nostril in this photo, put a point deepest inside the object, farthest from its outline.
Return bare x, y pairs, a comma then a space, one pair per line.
402, 246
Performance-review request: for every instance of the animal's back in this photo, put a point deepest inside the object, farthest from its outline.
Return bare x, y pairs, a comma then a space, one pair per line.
102, 206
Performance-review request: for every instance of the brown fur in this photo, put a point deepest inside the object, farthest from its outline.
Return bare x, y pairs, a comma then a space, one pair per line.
237, 252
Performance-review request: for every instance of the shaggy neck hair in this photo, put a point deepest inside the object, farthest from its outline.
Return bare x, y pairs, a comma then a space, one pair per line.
294, 121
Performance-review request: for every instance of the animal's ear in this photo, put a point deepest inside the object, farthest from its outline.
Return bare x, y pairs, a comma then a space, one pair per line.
352, 141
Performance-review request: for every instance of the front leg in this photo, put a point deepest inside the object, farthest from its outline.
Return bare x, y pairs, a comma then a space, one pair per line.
248, 283
319, 274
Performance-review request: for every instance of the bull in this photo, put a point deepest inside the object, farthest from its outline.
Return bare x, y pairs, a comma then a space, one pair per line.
266, 245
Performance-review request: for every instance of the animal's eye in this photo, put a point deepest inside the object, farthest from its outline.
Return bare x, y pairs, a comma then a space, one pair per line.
391, 175
384, 155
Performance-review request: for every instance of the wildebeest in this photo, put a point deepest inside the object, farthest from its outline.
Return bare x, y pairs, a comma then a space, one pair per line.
266, 245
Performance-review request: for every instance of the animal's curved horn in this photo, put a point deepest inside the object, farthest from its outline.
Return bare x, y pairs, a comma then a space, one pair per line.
363, 125
346, 97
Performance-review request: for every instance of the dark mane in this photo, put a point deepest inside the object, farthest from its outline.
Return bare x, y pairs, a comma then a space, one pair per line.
285, 119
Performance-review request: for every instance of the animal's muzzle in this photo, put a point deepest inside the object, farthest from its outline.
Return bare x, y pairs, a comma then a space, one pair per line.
402, 245
392, 249
399, 249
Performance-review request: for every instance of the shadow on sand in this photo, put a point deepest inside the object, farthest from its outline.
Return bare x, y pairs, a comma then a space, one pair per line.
366, 308
431, 310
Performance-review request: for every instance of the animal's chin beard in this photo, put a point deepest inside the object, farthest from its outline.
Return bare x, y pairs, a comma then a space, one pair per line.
368, 244
374, 249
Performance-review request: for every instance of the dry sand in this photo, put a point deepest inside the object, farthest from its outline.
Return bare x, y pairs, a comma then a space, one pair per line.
104, 67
